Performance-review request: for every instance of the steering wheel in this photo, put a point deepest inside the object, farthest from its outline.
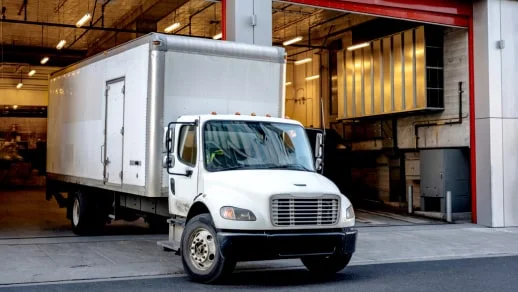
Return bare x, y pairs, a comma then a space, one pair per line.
215, 153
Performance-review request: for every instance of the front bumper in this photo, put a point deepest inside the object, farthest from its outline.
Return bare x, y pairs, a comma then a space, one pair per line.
246, 246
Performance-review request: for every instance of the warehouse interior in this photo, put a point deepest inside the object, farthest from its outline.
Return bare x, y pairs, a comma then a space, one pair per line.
392, 95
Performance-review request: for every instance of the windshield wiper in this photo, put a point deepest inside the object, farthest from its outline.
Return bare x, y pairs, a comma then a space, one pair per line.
287, 166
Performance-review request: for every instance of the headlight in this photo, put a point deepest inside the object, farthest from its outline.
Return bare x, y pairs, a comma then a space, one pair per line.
349, 213
233, 213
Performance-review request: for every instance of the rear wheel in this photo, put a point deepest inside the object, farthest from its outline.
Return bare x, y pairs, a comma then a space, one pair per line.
84, 219
201, 255
326, 265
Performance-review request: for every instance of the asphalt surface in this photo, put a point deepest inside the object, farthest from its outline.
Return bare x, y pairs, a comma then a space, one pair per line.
482, 274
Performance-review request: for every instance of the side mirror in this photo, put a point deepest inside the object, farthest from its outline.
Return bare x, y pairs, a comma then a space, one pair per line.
319, 165
168, 139
319, 145
168, 161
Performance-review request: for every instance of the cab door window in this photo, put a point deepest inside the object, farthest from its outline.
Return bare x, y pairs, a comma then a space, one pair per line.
187, 145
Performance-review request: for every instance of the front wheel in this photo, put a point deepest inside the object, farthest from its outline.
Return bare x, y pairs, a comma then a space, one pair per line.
326, 265
201, 255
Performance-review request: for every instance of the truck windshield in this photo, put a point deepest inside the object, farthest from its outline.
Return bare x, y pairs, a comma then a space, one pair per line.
230, 145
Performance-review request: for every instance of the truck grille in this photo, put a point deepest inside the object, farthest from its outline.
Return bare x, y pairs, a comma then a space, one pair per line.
293, 211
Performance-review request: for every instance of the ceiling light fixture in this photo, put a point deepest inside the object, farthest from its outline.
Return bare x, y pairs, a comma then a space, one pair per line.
292, 41
303, 61
44, 60
312, 77
61, 44
20, 85
358, 46
218, 36
84, 20
32, 72
172, 27
288, 83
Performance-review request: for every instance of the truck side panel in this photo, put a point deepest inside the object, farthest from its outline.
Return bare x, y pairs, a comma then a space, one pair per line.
225, 85
76, 118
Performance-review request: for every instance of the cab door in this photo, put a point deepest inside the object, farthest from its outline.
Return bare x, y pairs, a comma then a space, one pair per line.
183, 170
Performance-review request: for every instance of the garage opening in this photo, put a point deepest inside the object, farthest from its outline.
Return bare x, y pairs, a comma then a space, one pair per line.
394, 97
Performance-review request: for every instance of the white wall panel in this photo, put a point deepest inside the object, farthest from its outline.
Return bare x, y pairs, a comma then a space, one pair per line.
77, 113
510, 171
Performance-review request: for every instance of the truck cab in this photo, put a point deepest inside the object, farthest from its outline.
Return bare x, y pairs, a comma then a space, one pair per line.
244, 188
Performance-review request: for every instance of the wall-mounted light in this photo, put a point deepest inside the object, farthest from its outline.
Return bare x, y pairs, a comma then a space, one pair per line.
61, 44
358, 46
31, 73
218, 36
292, 41
172, 27
44, 60
83, 20
309, 78
303, 61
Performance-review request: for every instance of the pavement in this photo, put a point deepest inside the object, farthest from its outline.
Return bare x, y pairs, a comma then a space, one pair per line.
37, 246
474, 275
39, 260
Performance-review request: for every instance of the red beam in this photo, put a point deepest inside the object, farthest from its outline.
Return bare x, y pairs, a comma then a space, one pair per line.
454, 12
473, 154
223, 19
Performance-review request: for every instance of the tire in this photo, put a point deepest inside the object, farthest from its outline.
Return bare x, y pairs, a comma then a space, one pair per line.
83, 217
201, 256
326, 265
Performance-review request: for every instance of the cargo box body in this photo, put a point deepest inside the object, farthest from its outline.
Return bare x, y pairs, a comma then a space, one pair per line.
107, 114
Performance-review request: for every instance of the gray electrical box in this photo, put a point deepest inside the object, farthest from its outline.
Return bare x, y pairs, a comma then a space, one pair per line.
445, 170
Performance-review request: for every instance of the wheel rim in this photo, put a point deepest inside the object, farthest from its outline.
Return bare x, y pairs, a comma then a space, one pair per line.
202, 249
75, 212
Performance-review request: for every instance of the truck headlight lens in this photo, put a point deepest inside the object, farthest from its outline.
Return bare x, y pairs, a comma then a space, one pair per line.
233, 213
349, 213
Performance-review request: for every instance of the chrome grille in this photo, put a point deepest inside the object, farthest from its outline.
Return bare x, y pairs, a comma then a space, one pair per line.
293, 211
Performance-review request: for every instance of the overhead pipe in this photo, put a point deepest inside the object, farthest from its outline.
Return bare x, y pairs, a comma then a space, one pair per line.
438, 122
52, 24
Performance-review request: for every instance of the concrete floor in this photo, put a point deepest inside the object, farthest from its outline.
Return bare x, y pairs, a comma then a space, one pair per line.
26, 214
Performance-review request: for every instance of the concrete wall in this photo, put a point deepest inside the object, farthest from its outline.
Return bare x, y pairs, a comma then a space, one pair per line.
496, 111
455, 71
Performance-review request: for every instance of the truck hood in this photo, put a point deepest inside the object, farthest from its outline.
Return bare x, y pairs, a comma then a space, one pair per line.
264, 183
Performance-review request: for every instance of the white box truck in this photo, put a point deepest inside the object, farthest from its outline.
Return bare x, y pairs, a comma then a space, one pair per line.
190, 132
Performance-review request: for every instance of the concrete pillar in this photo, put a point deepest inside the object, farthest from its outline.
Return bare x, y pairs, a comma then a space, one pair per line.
249, 21
496, 111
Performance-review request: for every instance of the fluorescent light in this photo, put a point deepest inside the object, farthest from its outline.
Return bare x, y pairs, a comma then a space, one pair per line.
61, 44
292, 41
20, 85
172, 27
32, 72
44, 60
358, 46
218, 36
288, 83
83, 20
312, 77
303, 61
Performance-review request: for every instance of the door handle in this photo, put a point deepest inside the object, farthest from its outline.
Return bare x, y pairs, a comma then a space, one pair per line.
102, 156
